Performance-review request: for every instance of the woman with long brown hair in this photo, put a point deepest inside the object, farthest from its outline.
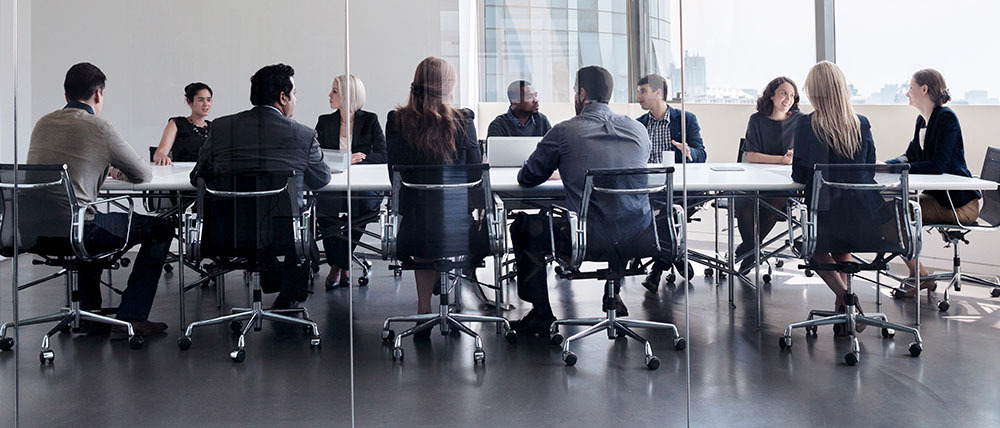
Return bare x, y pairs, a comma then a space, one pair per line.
429, 131
832, 134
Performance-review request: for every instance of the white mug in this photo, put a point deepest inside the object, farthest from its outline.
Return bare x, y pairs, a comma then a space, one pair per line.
667, 158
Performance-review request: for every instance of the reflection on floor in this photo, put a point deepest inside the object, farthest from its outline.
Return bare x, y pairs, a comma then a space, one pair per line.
739, 376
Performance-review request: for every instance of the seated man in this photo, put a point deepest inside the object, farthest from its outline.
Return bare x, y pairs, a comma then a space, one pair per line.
595, 138
522, 118
88, 144
265, 138
664, 126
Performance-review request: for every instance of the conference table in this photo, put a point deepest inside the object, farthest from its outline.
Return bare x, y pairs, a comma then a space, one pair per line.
715, 180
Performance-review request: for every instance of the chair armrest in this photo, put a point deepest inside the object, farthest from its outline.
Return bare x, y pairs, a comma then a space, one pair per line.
916, 223
78, 223
388, 223
192, 236
807, 229
577, 236
498, 228
679, 230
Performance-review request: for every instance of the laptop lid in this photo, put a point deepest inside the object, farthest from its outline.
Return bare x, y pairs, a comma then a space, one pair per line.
509, 151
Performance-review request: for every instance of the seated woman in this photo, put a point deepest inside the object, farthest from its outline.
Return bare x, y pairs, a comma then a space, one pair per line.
367, 145
429, 131
183, 136
768, 140
832, 134
936, 148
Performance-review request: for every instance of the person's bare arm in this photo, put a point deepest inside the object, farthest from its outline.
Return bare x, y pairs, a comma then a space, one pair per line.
166, 143
754, 157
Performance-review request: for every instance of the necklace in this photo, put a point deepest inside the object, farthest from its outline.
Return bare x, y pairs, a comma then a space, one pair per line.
200, 131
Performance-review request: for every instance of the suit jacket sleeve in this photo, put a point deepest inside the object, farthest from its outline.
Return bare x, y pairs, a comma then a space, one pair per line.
373, 131
317, 173
694, 141
543, 161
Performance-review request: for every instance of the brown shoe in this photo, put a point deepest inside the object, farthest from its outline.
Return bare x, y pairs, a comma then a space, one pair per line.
140, 327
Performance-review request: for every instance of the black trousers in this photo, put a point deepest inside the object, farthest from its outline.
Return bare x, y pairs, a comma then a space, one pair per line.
330, 210
743, 211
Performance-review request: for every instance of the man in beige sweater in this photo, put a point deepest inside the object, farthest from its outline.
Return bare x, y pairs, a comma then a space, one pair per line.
91, 148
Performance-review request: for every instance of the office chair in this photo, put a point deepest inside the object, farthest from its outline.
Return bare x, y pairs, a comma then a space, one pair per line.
242, 223
443, 218
849, 211
608, 229
51, 225
954, 234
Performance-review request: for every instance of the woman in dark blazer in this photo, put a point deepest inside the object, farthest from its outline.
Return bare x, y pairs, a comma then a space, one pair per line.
832, 134
367, 146
937, 148
429, 131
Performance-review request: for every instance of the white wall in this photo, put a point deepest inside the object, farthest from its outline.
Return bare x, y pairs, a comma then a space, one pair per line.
151, 50
7, 37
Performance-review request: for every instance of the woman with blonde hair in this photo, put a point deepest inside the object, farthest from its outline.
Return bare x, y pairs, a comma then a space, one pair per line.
832, 134
429, 131
366, 145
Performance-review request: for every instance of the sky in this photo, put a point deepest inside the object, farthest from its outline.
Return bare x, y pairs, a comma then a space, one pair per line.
748, 42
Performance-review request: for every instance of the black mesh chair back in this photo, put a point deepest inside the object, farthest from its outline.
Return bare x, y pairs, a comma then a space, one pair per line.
46, 204
442, 211
741, 152
990, 212
242, 215
617, 213
861, 209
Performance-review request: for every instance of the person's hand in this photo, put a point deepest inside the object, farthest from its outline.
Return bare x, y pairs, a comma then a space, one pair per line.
554, 176
684, 148
787, 158
160, 158
115, 173
357, 157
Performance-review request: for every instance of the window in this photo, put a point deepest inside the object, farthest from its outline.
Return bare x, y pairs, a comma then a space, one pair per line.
881, 44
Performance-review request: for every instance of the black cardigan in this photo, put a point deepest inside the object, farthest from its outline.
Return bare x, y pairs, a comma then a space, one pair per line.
367, 135
943, 153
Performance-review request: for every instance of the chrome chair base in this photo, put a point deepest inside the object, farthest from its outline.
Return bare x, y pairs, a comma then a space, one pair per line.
255, 315
445, 319
614, 326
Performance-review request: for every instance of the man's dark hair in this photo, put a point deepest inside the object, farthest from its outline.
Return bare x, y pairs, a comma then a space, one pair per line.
655, 81
516, 89
267, 84
597, 82
82, 80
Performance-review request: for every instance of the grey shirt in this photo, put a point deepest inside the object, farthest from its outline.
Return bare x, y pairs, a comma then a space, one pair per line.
596, 138
770, 137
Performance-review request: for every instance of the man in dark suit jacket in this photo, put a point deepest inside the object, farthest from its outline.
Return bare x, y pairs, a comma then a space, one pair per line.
265, 138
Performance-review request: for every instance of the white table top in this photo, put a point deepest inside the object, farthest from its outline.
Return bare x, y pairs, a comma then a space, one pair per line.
699, 177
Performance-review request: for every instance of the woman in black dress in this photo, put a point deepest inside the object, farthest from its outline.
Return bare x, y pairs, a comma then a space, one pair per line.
183, 136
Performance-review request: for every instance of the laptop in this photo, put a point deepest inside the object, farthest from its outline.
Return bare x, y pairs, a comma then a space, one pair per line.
509, 151
337, 160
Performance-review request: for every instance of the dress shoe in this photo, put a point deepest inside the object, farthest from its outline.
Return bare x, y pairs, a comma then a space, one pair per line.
284, 302
140, 328
652, 281
423, 334
679, 265
533, 324
93, 328
332, 279
619, 305
907, 290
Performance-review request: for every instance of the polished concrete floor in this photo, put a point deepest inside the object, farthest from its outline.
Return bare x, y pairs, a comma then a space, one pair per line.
738, 375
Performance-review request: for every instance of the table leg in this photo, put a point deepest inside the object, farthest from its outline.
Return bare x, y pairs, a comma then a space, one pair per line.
732, 249
756, 252
180, 258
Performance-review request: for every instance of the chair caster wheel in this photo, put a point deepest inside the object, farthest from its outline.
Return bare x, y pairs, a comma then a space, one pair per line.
995, 292
652, 362
839, 330
809, 273
916, 349
168, 268
397, 354
388, 335
680, 343
46, 357
135, 342
236, 326
766, 278
306, 329
511, 336
314, 343
813, 330
556, 339
479, 356
779, 264
558, 270
6, 344
671, 278
238, 355
709, 272
785, 342
363, 281
184, 343
943, 306
888, 332
124, 261
65, 328
852, 358
569, 358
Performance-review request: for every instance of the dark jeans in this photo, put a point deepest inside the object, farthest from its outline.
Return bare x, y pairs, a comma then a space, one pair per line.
329, 209
743, 211
106, 232
695, 200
